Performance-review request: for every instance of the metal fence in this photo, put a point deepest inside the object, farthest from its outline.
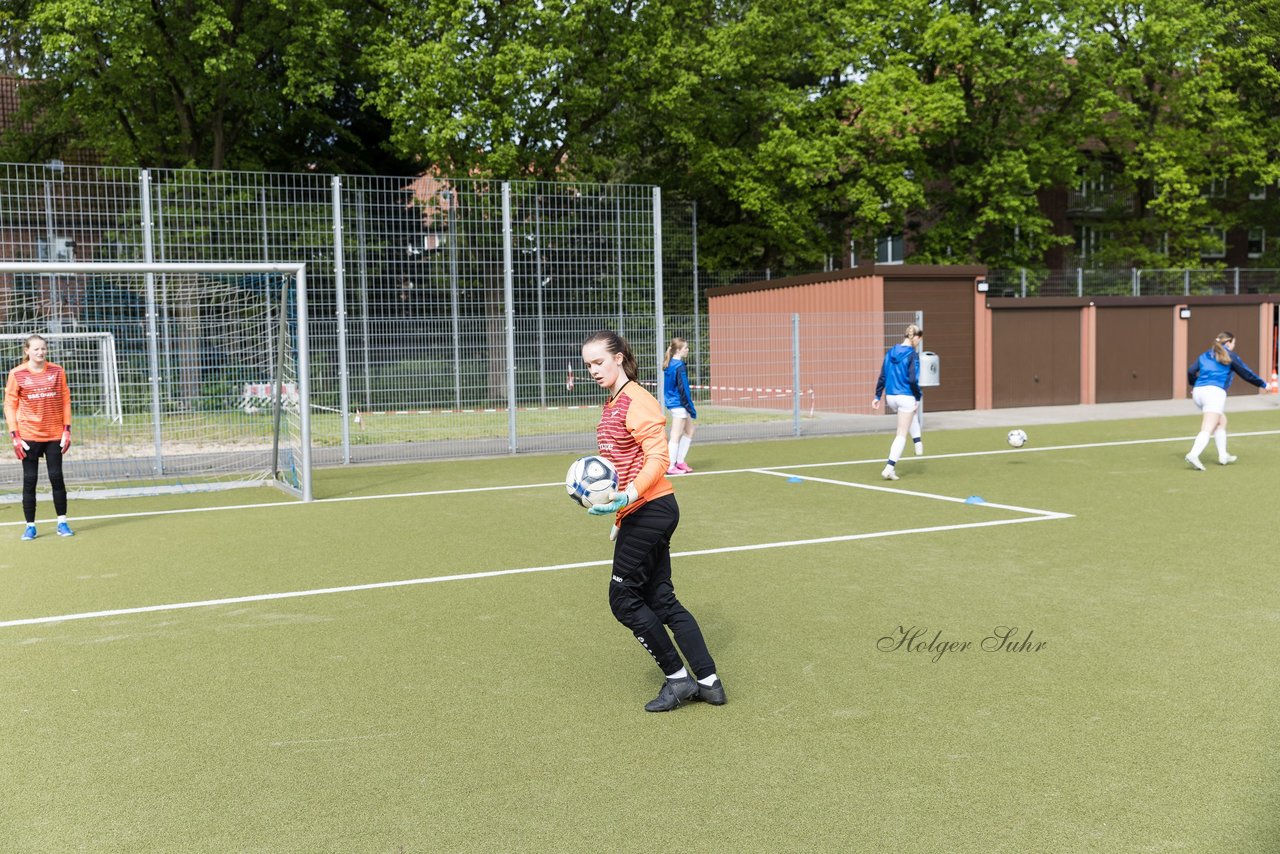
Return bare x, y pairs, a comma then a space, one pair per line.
1132, 281
446, 314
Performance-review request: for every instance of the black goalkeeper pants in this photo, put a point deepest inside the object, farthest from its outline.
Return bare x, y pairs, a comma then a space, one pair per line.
52, 453
641, 594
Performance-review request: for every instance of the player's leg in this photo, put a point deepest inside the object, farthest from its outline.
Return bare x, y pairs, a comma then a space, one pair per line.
661, 597
640, 538
904, 405
30, 475
678, 417
1211, 401
916, 430
690, 425
53, 465
1220, 440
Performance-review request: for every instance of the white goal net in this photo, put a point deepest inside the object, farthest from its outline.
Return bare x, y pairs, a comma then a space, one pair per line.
183, 377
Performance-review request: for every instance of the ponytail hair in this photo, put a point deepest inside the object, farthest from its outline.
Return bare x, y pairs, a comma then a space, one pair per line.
1220, 351
672, 349
913, 331
615, 343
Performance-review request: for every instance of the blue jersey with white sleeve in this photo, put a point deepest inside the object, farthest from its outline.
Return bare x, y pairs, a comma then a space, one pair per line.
900, 373
675, 387
1208, 371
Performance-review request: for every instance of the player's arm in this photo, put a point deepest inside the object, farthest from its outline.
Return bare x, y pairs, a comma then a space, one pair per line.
913, 374
1247, 375
686, 395
11, 403
880, 383
66, 400
648, 427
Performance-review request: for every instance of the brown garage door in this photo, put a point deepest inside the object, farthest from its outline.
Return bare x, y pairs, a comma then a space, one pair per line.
1035, 357
1135, 353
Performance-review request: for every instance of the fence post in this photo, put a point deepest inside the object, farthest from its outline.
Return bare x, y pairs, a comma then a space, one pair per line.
1237, 277
1022, 275
509, 310
1079, 281
455, 206
340, 296
1186, 282
1137, 282
659, 331
795, 374
1133, 280
697, 305
364, 299
153, 353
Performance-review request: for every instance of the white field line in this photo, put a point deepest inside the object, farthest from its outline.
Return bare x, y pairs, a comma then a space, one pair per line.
1034, 516
1050, 514
378, 585
428, 493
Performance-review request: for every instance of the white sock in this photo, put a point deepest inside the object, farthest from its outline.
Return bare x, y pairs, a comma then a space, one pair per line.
895, 450
673, 447
682, 673
62, 520
683, 450
1220, 439
708, 680
1202, 442
915, 426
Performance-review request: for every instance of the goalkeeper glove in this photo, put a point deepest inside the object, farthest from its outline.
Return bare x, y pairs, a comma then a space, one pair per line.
65, 444
20, 447
617, 500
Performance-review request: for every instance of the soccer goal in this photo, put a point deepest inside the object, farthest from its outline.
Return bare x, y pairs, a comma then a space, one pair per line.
184, 377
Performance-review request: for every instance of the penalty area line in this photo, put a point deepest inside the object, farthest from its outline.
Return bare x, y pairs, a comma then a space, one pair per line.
382, 585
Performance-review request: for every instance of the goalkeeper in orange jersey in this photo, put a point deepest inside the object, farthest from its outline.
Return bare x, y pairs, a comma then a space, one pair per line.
37, 409
631, 435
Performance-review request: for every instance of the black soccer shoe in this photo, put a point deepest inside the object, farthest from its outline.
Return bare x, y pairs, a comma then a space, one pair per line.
674, 692
713, 695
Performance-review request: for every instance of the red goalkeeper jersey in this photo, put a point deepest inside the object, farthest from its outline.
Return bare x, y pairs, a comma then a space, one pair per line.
37, 404
631, 435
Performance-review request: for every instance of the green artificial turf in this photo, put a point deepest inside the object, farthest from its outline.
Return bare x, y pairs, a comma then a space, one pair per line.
503, 713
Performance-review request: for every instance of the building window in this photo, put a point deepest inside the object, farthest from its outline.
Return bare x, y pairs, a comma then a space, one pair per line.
1216, 188
1162, 244
1215, 243
1257, 193
889, 249
1088, 242
1257, 241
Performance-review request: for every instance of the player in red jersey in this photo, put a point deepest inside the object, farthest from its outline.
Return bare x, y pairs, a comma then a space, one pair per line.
37, 408
631, 435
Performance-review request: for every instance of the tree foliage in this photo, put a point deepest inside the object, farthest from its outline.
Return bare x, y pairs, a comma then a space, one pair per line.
797, 125
205, 83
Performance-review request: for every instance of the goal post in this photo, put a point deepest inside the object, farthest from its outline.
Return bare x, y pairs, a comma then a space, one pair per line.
184, 376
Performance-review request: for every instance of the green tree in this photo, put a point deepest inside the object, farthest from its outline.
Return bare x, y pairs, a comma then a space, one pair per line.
205, 83
1178, 101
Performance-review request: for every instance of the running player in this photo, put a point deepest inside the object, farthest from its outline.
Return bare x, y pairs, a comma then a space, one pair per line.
899, 383
630, 435
1210, 376
37, 408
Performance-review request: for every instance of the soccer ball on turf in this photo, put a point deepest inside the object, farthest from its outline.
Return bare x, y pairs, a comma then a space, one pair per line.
1017, 438
590, 480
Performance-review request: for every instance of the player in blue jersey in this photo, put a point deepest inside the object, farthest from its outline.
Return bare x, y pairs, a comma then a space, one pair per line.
899, 385
1210, 376
678, 398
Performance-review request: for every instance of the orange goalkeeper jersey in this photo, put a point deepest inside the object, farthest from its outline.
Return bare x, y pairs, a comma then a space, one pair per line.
632, 436
37, 405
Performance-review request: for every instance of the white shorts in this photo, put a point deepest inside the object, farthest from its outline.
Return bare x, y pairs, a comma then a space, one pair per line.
679, 412
900, 402
1210, 398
